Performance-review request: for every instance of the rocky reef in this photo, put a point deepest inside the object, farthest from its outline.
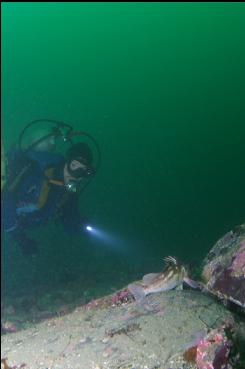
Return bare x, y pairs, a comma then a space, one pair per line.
224, 268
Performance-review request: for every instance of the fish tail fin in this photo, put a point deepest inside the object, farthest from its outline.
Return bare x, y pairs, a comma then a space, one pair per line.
137, 291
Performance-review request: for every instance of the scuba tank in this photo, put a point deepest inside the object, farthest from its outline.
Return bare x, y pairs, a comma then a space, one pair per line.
55, 130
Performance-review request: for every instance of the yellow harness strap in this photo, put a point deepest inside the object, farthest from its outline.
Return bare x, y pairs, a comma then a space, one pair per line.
46, 187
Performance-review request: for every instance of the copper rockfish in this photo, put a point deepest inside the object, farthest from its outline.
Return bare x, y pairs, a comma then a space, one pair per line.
173, 276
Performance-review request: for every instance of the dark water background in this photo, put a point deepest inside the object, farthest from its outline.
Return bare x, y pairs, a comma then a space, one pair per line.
161, 87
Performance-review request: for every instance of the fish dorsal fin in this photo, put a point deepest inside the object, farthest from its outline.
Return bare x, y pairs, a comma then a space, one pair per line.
149, 278
170, 260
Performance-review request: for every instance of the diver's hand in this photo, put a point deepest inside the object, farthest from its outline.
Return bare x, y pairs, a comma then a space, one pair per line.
84, 224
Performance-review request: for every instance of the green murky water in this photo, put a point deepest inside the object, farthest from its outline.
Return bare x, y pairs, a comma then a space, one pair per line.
161, 87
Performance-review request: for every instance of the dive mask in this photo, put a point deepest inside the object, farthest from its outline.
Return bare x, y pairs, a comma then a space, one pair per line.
78, 168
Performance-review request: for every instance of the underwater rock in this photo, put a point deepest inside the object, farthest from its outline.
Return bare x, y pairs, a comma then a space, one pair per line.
116, 334
213, 351
8, 327
224, 267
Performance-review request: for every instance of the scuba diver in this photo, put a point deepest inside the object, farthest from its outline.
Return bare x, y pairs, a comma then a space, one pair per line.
42, 184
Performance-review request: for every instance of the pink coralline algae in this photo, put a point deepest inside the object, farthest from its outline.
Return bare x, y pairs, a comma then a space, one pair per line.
118, 298
121, 297
8, 327
213, 351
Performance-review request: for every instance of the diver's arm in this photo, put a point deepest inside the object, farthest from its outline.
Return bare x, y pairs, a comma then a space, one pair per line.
9, 219
11, 226
8, 209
